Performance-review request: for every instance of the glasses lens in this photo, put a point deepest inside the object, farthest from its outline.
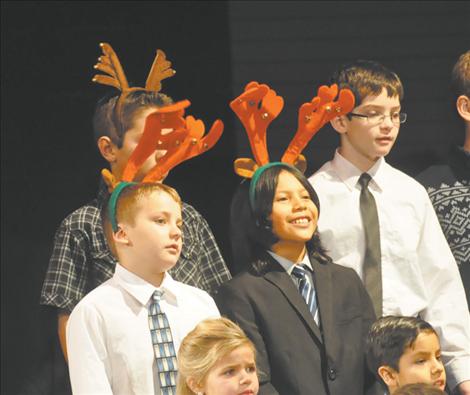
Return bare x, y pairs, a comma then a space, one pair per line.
403, 117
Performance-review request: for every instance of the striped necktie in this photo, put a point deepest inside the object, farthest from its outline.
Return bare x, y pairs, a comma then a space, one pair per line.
372, 270
162, 340
307, 290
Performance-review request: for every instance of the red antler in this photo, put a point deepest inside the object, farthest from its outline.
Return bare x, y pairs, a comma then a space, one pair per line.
168, 118
256, 108
314, 115
194, 143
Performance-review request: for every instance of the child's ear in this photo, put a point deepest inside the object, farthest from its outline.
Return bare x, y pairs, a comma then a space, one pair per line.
194, 385
339, 124
388, 375
120, 236
107, 148
463, 107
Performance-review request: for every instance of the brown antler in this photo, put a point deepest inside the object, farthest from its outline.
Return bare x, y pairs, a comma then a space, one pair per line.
161, 69
314, 115
109, 64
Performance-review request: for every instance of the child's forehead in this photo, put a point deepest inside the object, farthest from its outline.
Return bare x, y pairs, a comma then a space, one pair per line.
159, 200
380, 100
425, 341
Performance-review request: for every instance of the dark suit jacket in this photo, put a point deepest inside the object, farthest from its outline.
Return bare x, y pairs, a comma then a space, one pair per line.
294, 356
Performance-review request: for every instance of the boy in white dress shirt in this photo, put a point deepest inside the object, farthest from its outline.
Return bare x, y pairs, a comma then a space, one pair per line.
401, 254
116, 343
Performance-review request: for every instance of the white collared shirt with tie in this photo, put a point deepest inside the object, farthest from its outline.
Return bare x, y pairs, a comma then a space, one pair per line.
419, 273
108, 337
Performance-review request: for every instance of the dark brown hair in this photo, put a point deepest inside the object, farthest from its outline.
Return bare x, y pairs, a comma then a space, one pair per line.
366, 77
106, 122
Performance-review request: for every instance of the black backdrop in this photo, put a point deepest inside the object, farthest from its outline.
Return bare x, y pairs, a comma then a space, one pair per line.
50, 165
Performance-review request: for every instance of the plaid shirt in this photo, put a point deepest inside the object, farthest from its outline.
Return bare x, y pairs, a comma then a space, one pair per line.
81, 259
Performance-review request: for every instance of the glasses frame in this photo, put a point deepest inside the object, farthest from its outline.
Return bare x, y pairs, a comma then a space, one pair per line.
403, 117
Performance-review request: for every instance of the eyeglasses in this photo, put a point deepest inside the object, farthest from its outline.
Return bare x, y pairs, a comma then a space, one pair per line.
377, 118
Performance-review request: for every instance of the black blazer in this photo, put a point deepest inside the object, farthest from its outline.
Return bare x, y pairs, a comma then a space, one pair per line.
295, 356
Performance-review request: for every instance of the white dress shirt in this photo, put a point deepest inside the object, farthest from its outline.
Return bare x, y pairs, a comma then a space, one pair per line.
419, 273
108, 337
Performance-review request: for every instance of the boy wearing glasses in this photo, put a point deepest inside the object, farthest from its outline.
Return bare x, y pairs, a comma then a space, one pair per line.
381, 223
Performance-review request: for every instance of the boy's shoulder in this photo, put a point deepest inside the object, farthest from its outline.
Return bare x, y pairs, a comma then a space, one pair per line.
83, 218
398, 179
192, 297
190, 213
104, 295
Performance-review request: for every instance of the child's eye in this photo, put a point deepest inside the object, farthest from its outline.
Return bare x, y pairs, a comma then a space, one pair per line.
229, 372
251, 369
281, 199
306, 197
160, 221
420, 361
438, 357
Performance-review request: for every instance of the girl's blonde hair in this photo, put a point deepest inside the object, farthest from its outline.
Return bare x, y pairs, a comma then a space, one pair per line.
200, 350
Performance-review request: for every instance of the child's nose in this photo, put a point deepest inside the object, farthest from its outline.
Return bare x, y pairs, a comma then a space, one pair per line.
176, 232
298, 203
245, 377
437, 366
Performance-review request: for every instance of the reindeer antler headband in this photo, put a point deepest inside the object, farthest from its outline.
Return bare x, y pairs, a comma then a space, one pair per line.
166, 129
259, 105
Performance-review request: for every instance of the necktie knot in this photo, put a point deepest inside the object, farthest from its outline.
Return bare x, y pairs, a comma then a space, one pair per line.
157, 295
364, 180
299, 271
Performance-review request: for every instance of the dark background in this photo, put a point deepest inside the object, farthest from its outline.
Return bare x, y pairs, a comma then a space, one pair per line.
50, 165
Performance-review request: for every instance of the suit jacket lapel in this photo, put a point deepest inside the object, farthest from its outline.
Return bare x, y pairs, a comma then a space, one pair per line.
323, 287
277, 276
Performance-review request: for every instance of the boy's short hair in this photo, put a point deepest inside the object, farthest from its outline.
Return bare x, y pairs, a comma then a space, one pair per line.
388, 339
419, 389
366, 77
461, 76
128, 203
105, 121
129, 199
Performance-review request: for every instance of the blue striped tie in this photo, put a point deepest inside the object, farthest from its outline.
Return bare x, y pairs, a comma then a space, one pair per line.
163, 346
307, 290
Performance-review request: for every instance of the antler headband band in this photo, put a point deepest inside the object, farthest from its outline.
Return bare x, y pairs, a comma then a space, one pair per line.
167, 130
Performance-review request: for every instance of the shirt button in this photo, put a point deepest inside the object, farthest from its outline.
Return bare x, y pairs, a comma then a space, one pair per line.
331, 374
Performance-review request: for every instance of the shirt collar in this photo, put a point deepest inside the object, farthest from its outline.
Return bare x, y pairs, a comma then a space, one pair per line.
142, 290
349, 174
289, 265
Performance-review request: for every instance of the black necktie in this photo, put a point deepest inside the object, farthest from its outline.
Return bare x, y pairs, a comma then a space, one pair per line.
372, 258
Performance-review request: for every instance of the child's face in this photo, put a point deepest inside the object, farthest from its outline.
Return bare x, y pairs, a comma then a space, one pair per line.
421, 363
364, 141
130, 141
155, 236
294, 215
233, 374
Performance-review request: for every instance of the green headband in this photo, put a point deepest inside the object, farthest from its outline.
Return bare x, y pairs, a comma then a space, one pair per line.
113, 202
257, 175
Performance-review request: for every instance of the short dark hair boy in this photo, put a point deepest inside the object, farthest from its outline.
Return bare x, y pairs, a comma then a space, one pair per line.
394, 346
81, 259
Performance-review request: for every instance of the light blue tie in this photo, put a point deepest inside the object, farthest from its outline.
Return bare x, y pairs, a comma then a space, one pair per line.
163, 346
307, 290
